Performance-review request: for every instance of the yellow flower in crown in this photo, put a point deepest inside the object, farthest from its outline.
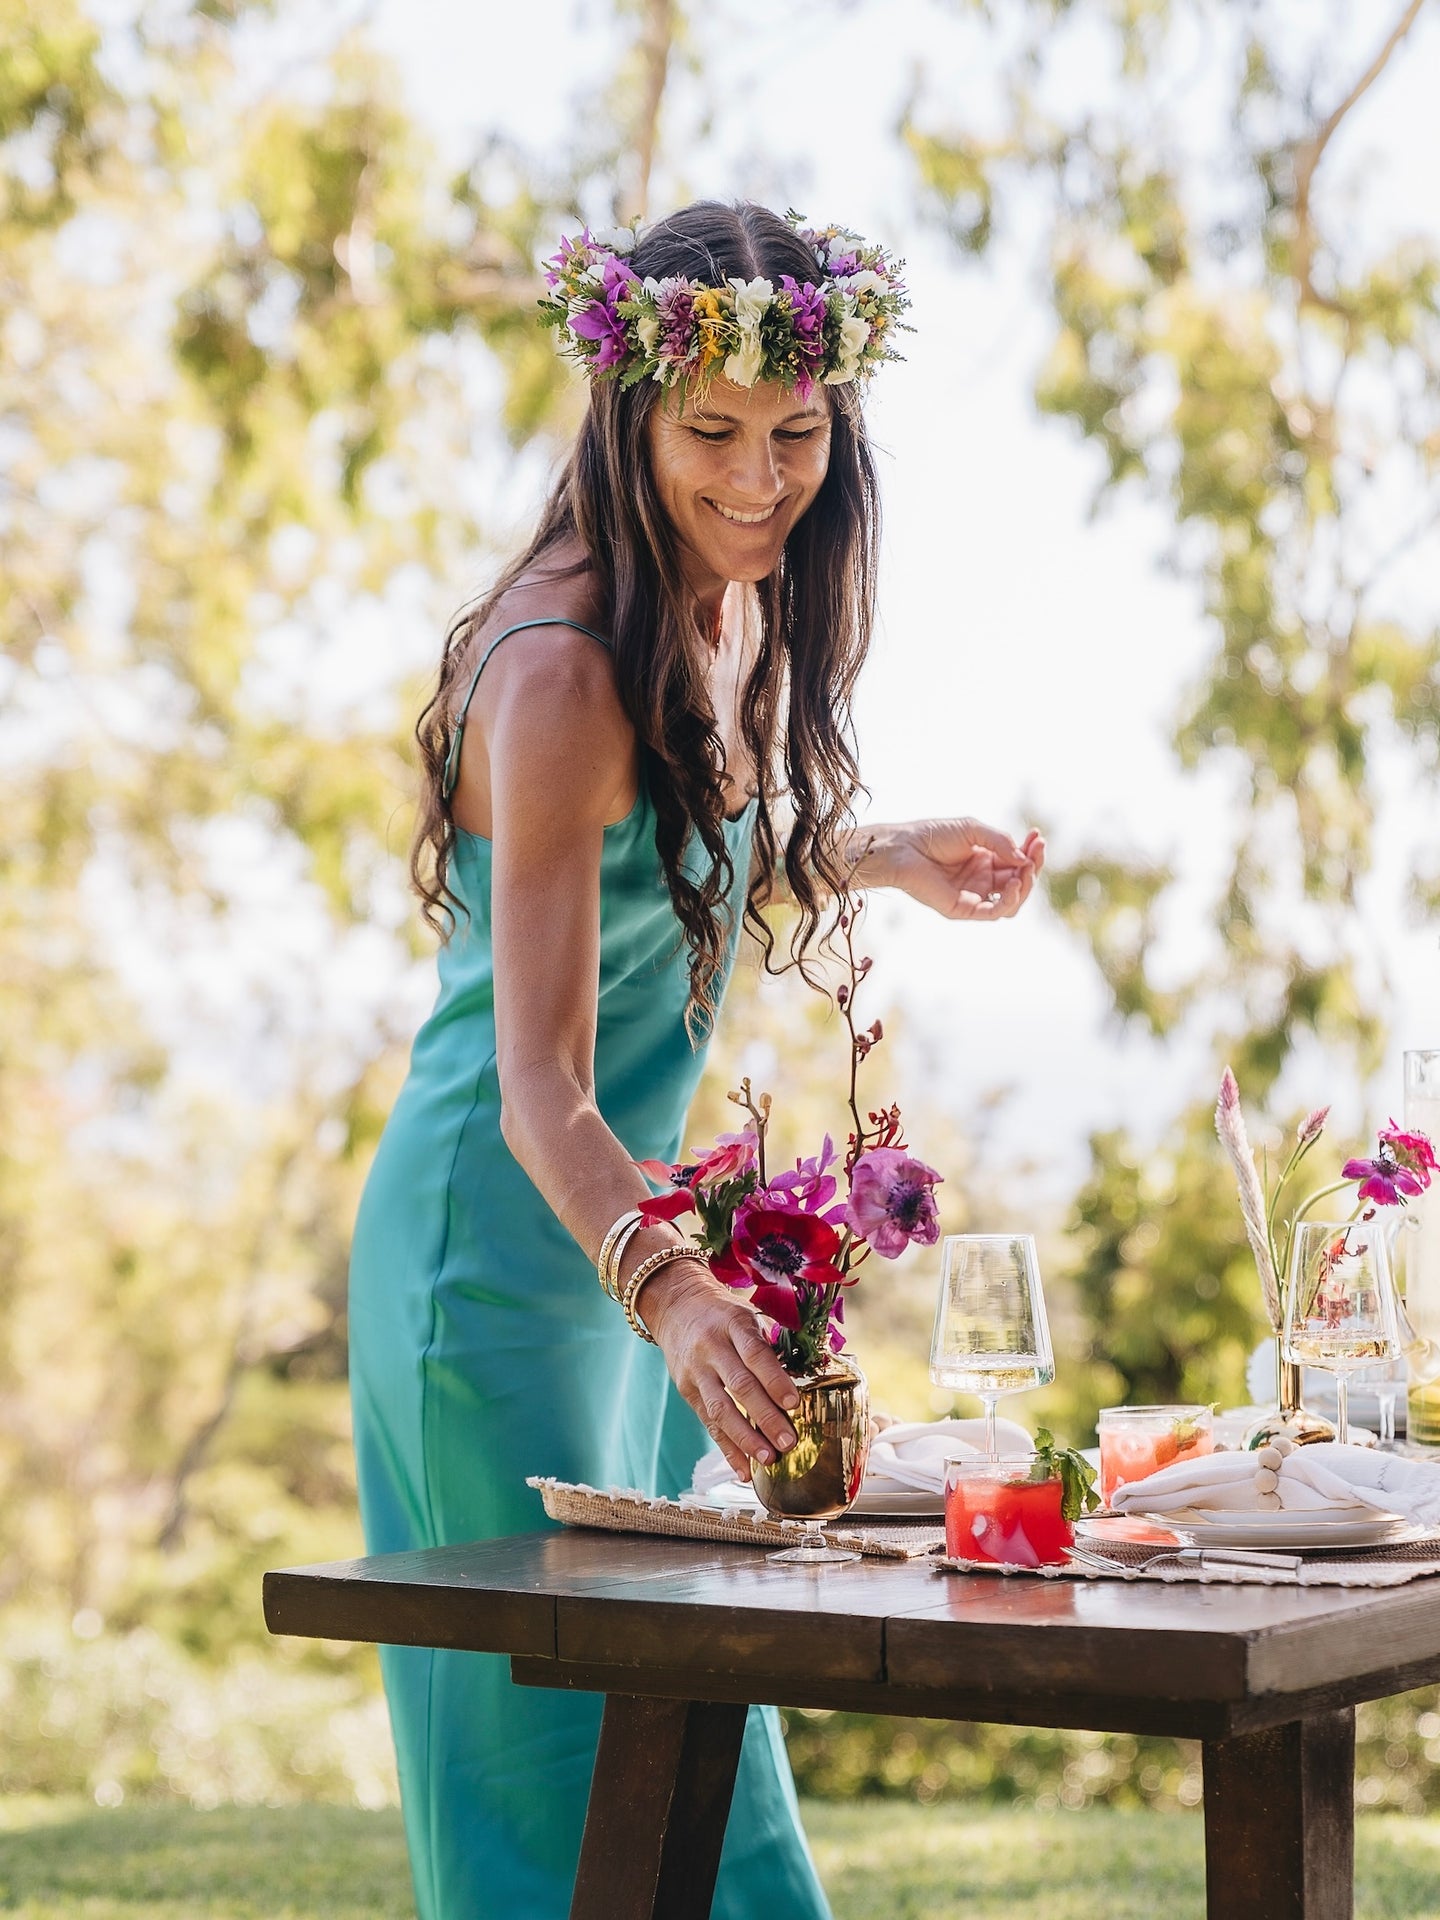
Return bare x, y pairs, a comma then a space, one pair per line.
709, 319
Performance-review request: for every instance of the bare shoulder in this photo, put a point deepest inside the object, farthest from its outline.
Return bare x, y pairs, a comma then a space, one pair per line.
546, 713
556, 663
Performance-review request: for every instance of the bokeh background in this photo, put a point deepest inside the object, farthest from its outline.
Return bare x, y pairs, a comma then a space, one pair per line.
1162, 473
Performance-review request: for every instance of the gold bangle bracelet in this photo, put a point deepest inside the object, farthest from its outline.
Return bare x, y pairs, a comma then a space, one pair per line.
610, 1279
606, 1264
686, 1250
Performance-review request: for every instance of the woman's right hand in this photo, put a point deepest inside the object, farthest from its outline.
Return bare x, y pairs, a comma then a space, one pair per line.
717, 1357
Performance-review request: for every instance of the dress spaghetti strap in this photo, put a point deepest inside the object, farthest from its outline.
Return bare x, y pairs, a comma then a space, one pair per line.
451, 771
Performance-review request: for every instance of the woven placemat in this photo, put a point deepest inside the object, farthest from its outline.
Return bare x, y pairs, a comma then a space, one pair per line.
623, 1510
1380, 1566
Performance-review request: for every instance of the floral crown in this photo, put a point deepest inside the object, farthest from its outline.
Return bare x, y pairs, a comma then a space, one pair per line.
832, 329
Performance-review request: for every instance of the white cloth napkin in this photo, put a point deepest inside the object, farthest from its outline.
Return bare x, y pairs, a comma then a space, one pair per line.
911, 1454
1323, 1478
906, 1456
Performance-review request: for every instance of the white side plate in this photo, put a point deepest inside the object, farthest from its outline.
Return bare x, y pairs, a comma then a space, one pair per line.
1287, 1529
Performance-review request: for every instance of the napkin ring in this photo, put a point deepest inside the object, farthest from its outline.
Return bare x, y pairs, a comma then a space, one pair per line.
685, 1250
1268, 1461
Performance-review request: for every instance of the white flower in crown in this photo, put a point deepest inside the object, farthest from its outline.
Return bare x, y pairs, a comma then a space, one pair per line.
752, 297
615, 239
854, 338
647, 331
866, 282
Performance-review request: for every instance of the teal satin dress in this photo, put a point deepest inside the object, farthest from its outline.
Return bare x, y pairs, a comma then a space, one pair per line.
482, 1350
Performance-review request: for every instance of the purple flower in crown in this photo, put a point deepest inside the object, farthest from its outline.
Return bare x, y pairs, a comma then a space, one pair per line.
564, 259
675, 310
841, 264
807, 305
599, 322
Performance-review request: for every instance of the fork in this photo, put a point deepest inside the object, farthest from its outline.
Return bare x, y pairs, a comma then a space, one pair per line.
1188, 1557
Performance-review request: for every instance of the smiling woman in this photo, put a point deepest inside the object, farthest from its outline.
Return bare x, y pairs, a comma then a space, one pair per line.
735, 470
612, 732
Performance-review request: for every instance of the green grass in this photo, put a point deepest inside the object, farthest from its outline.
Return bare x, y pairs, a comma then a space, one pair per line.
881, 1860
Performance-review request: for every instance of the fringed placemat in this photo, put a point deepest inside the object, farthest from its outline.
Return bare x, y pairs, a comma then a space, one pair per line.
623, 1510
1379, 1566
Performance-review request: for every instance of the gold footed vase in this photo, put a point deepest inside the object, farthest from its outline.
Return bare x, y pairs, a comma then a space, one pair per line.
1290, 1419
821, 1474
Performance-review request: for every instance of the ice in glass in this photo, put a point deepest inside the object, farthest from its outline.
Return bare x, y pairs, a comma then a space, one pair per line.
1138, 1441
997, 1510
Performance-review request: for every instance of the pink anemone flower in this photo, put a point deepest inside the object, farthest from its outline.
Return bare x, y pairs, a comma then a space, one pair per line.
1384, 1180
892, 1201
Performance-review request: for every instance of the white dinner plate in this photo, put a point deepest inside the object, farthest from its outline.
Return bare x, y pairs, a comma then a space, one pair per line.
1288, 1528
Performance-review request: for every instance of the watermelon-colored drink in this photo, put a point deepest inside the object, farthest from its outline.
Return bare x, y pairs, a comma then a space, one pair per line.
1006, 1511
1138, 1441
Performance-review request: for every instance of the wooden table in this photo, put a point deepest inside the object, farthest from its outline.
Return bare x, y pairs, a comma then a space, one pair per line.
680, 1636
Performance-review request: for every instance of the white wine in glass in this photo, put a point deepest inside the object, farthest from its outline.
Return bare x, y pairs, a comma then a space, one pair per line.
991, 1336
1340, 1303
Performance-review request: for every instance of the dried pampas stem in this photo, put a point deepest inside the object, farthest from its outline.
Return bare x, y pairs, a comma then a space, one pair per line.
1230, 1125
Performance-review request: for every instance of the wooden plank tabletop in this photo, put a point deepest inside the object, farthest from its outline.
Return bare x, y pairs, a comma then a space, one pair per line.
706, 1621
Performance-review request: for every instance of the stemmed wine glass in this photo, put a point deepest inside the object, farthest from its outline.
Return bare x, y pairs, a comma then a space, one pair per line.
990, 1335
1340, 1304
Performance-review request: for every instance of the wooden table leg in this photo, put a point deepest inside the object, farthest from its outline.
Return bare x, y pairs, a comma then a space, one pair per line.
1280, 1822
659, 1800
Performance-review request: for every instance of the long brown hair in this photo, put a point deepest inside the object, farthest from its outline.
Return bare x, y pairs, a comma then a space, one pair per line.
816, 615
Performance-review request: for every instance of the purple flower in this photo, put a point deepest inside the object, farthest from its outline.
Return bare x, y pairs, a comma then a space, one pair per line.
675, 309
807, 1187
1383, 1179
844, 263
892, 1201
807, 304
600, 323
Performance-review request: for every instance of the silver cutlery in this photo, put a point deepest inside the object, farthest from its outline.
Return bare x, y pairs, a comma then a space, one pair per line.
1100, 1562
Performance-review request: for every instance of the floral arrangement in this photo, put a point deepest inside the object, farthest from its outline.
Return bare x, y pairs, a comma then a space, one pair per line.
789, 1238
1400, 1168
833, 329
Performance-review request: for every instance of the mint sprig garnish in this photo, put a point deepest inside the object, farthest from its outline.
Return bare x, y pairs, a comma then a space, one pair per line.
1071, 1469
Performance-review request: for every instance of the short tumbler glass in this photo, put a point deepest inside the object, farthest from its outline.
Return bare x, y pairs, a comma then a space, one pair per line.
999, 1510
1138, 1441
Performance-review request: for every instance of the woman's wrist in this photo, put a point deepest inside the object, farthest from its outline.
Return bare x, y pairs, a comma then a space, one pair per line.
678, 1281
871, 854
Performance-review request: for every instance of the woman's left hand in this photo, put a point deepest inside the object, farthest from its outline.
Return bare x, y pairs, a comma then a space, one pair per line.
962, 868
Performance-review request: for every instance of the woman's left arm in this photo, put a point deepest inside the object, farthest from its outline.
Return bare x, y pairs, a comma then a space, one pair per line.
962, 868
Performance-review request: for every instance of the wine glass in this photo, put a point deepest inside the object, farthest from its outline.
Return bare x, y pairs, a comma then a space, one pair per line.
990, 1331
1340, 1303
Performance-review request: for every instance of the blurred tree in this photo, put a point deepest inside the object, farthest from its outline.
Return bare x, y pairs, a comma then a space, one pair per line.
254, 350
1269, 372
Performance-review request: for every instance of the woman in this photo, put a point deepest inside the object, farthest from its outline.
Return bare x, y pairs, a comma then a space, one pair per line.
681, 637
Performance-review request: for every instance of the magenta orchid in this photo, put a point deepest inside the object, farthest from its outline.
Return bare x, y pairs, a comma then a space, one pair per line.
793, 1240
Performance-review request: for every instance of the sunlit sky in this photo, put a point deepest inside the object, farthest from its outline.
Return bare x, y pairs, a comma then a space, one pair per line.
1032, 652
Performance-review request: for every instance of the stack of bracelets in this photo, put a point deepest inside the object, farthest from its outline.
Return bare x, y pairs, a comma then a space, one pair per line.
613, 1251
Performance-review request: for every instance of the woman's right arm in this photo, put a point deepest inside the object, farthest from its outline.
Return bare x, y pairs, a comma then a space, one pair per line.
556, 753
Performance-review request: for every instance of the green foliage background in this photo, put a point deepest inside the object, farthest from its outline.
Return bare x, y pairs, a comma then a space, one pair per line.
255, 345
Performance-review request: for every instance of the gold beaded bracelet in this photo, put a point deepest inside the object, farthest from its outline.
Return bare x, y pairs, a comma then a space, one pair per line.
615, 1243
686, 1250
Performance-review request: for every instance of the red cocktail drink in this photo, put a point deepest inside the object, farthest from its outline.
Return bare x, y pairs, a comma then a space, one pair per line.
995, 1510
1138, 1441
